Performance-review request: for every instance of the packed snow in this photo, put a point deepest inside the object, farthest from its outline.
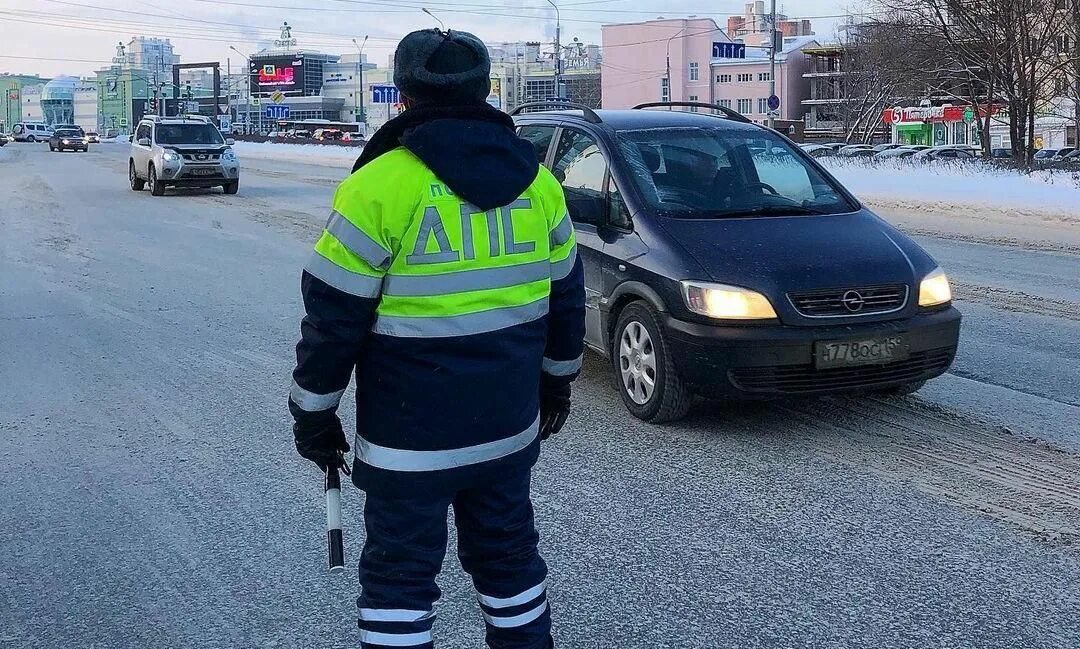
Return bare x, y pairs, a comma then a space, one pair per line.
316, 154
975, 184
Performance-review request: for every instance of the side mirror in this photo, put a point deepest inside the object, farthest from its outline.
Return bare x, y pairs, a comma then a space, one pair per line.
144, 141
587, 208
131, 138
229, 141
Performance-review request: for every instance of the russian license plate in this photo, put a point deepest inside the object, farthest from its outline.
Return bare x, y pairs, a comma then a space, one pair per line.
203, 172
867, 351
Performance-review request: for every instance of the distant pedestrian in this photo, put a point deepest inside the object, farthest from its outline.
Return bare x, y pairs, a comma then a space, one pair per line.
448, 278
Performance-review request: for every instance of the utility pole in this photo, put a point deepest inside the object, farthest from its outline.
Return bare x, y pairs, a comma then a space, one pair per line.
360, 116
558, 51
772, 59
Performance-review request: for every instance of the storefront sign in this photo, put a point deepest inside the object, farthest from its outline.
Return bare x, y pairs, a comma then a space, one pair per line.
946, 114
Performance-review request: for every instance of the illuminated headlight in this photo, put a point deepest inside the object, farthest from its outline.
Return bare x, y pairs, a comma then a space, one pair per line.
67, 141
726, 302
229, 155
934, 289
170, 156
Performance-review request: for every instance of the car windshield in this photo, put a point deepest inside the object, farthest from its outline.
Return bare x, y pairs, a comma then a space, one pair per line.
68, 132
1045, 153
188, 134
703, 172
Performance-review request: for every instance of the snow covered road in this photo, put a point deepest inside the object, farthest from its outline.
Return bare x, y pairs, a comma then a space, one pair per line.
151, 497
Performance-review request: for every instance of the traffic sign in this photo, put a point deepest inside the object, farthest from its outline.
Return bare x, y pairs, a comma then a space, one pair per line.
123, 121
724, 50
276, 111
774, 102
385, 95
277, 96
255, 101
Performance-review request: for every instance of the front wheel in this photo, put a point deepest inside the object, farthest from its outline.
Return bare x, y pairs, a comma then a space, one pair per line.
133, 179
52, 148
645, 373
31, 139
156, 188
231, 188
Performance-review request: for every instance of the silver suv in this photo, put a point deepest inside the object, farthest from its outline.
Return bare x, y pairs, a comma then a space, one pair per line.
181, 152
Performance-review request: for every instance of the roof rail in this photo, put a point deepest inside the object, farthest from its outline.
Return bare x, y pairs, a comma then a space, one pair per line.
590, 114
728, 113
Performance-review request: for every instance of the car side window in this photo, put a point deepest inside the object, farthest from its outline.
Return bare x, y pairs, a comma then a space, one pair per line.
580, 166
142, 131
540, 137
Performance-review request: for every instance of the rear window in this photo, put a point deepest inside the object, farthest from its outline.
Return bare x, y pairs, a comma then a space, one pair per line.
703, 172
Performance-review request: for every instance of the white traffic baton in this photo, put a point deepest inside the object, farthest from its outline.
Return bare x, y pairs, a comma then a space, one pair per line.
335, 548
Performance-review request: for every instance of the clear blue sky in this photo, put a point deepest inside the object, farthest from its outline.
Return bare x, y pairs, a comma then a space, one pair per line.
53, 37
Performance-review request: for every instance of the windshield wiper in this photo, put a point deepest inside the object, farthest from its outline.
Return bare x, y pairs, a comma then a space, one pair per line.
772, 210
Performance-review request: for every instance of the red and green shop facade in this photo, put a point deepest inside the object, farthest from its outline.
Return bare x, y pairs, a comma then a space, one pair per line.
933, 125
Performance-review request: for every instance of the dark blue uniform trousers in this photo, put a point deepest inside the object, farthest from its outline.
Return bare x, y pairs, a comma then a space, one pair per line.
406, 543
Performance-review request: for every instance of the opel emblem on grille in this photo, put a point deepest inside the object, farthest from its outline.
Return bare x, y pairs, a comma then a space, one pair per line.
853, 301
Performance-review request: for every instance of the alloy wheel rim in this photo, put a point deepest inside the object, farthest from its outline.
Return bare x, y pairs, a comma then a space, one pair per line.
637, 362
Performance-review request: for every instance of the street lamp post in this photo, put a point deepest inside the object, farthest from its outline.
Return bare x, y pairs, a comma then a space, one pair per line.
558, 50
247, 104
361, 117
670, 95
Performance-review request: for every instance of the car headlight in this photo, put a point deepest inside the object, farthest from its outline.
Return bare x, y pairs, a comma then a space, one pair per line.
726, 302
934, 289
229, 154
170, 156
67, 141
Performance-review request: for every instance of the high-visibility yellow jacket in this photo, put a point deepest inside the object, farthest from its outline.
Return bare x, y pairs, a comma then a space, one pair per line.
449, 313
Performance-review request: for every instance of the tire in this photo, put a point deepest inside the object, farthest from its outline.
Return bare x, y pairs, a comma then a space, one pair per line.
52, 148
231, 188
156, 187
902, 390
136, 183
639, 353
31, 139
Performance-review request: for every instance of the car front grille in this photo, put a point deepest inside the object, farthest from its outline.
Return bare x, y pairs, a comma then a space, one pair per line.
805, 379
202, 158
850, 302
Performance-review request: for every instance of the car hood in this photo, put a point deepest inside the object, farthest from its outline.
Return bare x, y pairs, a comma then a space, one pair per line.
776, 255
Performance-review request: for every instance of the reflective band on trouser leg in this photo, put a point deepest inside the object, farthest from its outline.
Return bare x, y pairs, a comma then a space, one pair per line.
523, 597
560, 269
561, 233
460, 325
479, 279
516, 620
561, 368
343, 279
358, 241
312, 402
394, 639
395, 459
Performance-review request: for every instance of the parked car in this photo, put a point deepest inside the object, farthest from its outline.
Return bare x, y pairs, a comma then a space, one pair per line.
1043, 156
31, 132
4, 139
855, 150
895, 153
68, 138
711, 270
947, 152
1063, 152
93, 138
1001, 153
327, 134
181, 152
885, 147
818, 150
1073, 159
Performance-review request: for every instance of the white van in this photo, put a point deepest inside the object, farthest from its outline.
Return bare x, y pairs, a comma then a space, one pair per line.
31, 132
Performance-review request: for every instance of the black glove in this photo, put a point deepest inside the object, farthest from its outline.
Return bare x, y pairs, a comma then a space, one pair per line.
321, 440
554, 409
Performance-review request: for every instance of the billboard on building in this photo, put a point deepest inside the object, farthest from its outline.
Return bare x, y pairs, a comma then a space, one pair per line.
281, 73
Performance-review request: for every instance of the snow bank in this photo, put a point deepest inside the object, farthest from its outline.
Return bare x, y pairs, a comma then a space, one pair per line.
904, 183
316, 154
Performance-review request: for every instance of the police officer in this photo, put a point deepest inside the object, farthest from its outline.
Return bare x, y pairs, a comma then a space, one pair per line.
447, 276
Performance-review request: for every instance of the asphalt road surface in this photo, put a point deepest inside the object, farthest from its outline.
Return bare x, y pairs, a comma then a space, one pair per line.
150, 496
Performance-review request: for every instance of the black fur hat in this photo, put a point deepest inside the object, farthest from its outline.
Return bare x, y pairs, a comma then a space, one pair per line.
437, 67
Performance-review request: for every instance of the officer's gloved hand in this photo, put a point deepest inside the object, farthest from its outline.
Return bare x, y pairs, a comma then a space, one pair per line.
319, 438
554, 408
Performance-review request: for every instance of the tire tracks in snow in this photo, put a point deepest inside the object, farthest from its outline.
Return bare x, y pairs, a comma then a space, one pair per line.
1026, 483
1037, 245
1016, 301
